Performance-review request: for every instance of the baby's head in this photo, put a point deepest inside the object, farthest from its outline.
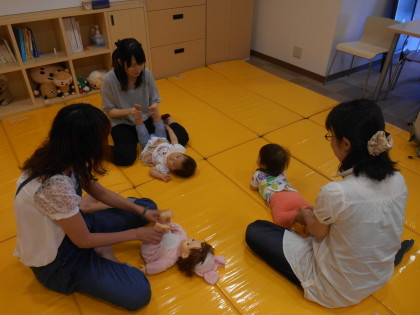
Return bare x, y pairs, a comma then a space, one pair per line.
273, 159
192, 253
181, 165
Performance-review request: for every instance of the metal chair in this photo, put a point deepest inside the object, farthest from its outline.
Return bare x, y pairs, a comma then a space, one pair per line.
406, 55
375, 40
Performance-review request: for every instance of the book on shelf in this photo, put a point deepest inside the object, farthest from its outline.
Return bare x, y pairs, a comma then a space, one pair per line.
26, 43
9, 50
74, 38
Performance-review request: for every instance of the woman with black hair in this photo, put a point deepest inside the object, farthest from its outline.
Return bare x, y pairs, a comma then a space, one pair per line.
128, 84
356, 223
68, 249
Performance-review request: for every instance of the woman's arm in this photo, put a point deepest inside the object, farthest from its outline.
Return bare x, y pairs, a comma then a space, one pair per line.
315, 227
114, 200
121, 112
76, 229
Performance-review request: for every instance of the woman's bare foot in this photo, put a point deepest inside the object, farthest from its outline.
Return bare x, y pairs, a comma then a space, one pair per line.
106, 252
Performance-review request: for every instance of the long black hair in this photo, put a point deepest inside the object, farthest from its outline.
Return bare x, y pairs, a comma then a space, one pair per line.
358, 121
78, 139
275, 158
121, 57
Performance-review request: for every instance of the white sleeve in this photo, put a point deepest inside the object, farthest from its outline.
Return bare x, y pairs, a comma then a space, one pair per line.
57, 198
329, 203
254, 180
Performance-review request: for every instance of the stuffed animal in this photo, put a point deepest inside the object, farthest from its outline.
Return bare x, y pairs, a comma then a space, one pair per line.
96, 78
83, 85
5, 97
63, 80
44, 75
48, 90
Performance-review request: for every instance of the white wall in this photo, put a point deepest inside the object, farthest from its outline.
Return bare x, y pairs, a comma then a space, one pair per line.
314, 25
23, 6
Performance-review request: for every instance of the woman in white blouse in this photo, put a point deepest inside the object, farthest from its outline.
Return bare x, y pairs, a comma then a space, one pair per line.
357, 222
69, 250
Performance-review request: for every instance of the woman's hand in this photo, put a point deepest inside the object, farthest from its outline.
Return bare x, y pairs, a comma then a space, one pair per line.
152, 234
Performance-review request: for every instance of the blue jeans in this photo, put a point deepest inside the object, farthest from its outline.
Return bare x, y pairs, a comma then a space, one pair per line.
83, 270
266, 240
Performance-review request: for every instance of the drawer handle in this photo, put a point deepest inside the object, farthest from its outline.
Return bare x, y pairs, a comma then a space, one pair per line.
179, 50
112, 20
178, 16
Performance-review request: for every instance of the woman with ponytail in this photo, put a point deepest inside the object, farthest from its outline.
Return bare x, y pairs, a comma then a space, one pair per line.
129, 86
356, 224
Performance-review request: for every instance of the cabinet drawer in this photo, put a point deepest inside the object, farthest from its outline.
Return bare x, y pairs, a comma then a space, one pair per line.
176, 25
167, 4
174, 59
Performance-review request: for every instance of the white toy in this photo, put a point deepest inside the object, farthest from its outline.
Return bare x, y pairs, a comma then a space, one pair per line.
96, 78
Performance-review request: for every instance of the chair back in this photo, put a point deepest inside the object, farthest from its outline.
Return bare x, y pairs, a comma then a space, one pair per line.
375, 31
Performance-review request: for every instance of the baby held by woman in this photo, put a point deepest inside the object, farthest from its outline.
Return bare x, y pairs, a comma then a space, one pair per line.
164, 156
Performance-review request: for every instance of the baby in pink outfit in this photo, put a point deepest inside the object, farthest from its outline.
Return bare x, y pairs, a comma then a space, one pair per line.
192, 256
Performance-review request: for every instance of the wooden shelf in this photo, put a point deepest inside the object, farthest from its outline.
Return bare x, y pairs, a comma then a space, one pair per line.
54, 48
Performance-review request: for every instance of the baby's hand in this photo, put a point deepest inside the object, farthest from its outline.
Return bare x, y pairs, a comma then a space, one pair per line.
165, 216
165, 177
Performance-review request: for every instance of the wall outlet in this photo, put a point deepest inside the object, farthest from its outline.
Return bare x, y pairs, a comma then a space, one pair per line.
297, 52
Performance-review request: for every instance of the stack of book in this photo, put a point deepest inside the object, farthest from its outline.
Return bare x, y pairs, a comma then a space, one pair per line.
6, 54
26, 43
72, 29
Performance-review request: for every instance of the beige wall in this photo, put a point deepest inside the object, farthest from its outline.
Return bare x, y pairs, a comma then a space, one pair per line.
316, 26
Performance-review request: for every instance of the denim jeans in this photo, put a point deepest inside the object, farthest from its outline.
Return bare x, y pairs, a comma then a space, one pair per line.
83, 270
266, 240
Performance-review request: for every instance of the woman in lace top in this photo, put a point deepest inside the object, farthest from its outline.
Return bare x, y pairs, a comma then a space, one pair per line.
69, 250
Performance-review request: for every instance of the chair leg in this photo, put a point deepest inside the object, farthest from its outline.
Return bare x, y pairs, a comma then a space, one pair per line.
367, 79
394, 75
400, 67
329, 69
351, 66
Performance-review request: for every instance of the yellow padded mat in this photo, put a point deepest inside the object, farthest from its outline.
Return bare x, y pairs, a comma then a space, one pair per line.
248, 109
216, 204
210, 131
306, 143
292, 96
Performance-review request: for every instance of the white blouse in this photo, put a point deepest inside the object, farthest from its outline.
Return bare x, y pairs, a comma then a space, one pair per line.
356, 258
37, 208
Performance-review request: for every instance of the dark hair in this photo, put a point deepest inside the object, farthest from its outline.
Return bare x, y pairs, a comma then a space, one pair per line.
188, 167
196, 256
121, 57
275, 158
358, 121
78, 139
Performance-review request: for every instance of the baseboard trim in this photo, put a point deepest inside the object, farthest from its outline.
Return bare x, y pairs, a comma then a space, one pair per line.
307, 73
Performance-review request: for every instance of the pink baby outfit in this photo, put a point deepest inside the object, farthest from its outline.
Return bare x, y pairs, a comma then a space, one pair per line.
164, 255
208, 269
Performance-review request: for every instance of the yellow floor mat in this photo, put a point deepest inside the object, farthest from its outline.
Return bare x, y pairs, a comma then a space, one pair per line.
241, 105
292, 96
225, 108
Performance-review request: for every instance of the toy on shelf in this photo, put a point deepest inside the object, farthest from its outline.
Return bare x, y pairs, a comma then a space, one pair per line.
63, 81
5, 97
96, 38
44, 78
96, 78
83, 84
